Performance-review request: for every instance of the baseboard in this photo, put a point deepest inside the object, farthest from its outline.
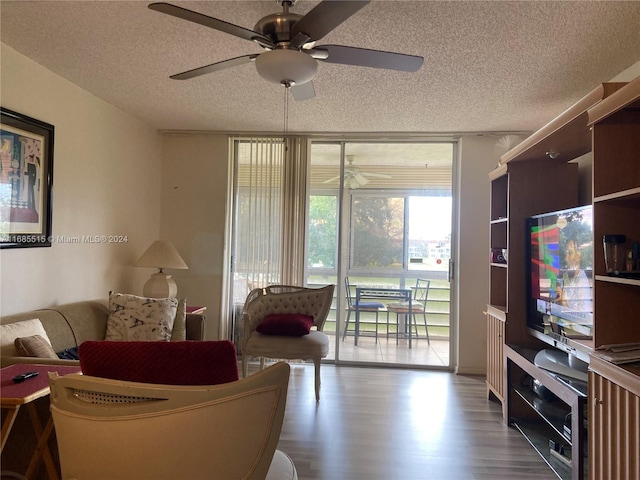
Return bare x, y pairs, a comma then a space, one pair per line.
470, 371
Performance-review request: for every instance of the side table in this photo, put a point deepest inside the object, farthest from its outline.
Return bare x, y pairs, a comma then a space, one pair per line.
14, 395
196, 309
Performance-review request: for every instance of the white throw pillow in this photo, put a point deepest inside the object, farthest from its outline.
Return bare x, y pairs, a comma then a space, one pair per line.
140, 318
10, 331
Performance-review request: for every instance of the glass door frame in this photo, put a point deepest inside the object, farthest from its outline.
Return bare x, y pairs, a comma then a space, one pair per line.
342, 265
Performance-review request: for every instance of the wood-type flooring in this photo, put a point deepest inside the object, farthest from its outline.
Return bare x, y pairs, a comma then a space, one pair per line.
391, 423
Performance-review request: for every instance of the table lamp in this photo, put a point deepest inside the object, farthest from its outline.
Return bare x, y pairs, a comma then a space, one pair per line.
161, 254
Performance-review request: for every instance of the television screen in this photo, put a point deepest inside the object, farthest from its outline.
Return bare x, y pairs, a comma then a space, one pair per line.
561, 273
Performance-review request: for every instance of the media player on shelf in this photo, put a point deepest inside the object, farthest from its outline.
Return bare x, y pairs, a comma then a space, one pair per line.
561, 363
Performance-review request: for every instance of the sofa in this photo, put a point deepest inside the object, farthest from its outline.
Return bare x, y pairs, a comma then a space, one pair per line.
68, 325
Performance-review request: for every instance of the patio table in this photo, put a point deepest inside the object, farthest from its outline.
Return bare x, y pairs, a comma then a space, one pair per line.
389, 294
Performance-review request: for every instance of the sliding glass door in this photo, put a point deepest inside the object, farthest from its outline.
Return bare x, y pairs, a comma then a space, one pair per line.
380, 215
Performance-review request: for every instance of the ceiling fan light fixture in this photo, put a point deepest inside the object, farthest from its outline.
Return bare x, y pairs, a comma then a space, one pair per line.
289, 67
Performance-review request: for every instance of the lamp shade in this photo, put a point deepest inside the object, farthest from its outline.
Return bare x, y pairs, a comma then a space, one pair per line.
286, 66
161, 254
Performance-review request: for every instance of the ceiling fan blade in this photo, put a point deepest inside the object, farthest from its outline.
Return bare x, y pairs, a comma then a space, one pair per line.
364, 57
303, 91
211, 22
331, 180
323, 18
377, 175
214, 67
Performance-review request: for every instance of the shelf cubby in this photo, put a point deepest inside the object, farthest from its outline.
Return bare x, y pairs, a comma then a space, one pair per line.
543, 420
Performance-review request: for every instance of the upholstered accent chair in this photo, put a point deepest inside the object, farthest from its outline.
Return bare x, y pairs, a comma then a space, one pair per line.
108, 429
293, 304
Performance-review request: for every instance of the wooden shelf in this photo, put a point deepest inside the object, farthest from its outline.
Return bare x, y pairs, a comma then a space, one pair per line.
538, 420
524, 358
615, 124
620, 280
625, 376
616, 101
550, 412
531, 431
632, 194
498, 311
606, 123
568, 133
498, 172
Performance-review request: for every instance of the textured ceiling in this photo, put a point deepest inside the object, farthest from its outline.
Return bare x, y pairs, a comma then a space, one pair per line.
489, 66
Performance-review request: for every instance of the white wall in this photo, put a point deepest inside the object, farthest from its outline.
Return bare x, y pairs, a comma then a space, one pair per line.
478, 157
194, 190
107, 170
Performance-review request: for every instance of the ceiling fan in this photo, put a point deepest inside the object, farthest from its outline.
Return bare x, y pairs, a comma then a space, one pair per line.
354, 177
289, 39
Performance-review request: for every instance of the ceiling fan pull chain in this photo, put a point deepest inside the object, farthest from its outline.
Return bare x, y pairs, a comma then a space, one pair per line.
286, 115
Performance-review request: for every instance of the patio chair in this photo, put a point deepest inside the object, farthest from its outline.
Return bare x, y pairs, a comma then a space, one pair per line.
353, 306
286, 309
418, 307
108, 429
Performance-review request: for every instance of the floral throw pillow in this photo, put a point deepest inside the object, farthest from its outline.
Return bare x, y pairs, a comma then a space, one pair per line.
140, 318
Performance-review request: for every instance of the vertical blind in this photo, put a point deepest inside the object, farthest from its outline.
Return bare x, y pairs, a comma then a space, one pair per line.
270, 211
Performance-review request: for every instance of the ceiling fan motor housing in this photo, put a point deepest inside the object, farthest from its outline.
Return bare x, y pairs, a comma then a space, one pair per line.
277, 26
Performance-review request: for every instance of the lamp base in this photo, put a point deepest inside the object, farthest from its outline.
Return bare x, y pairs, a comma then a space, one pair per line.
160, 285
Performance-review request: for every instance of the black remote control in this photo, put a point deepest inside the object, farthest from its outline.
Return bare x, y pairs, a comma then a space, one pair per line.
24, 376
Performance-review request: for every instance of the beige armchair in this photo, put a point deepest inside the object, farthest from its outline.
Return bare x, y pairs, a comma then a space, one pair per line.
286, 299
113, 429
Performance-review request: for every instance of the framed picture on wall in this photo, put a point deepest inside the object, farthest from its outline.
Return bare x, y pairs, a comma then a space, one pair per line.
26, 180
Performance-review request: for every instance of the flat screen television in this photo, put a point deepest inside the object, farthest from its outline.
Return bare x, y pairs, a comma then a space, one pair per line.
560, 273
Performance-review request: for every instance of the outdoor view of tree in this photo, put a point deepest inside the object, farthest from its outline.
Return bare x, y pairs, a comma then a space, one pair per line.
322, 230
378, 229
578, 230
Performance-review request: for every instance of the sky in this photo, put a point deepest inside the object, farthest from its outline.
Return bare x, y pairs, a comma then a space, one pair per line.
429, 218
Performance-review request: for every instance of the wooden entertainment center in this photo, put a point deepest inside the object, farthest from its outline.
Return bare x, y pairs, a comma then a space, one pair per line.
538, 176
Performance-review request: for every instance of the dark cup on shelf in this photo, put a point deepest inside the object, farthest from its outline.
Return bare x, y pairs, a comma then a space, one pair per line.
614, 253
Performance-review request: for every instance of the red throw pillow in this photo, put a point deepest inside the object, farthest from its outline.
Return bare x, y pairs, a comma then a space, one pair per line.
186, 362
287, 324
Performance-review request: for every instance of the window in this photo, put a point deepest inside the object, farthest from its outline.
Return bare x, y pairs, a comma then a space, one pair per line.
323, 232
377, 232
